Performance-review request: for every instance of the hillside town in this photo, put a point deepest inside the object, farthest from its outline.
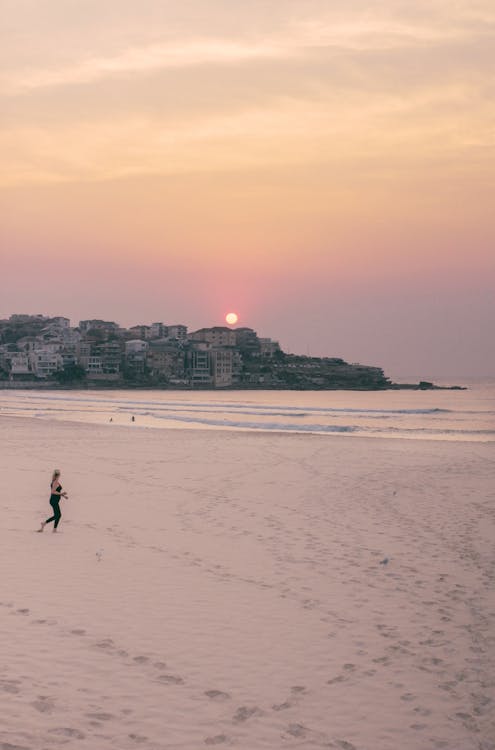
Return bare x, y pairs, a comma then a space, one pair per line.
42, 351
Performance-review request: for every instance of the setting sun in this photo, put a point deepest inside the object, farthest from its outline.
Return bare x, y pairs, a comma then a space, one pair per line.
232, 318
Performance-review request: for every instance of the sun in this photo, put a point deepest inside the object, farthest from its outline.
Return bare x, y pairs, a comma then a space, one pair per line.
231, 318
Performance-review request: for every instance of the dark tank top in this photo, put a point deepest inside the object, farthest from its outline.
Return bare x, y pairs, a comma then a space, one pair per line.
53, 496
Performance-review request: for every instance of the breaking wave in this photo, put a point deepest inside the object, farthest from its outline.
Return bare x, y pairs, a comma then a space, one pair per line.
409, 415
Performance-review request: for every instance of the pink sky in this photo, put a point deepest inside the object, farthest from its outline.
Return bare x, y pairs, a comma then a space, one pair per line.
326, 172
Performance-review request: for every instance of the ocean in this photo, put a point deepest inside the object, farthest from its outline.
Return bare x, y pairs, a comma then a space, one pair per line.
467, 415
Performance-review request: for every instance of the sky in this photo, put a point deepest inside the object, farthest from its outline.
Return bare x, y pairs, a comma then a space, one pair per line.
323, 168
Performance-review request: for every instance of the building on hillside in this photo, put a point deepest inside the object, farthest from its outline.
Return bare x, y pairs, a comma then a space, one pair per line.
141, 332
69, 354
221, 367
69, 336
18, 365
111, 357
216, 336
100, 359
268, 347
106, 326
44, 362
177, 331
83, 353
247, 340
166, 360
135, 357
94, 366
158, 331
198, 365
28, 343
135, 346
59, 323
87, 359
21, 318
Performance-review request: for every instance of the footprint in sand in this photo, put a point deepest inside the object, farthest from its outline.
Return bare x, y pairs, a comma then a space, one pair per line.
297, 689
335, 680
106, 644
138, 737
78, 631
218, 739
44, 705
10, 686
296, 730
422, 711
244, 713
217, 695
170, 679
22, 611
140, 659
382, 660
100, 716
281, 706
68, 732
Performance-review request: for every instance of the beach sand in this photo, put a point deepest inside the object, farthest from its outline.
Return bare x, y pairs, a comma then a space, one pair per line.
226, 589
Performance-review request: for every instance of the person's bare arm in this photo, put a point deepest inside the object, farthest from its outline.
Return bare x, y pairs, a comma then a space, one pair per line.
60, 492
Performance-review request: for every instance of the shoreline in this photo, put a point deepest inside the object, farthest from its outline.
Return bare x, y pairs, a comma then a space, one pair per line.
218, 430
111, 385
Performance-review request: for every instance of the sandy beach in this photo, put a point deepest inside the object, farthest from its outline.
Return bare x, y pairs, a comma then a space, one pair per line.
228, 589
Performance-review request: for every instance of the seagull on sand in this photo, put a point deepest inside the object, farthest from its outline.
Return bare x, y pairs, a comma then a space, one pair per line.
384, 561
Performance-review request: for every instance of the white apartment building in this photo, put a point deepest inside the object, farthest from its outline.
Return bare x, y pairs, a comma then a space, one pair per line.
44, 361
19, 364
135, 346
200, 366
94, 365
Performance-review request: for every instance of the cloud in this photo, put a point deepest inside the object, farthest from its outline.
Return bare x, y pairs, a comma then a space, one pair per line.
300, 39
322, 83
359, 130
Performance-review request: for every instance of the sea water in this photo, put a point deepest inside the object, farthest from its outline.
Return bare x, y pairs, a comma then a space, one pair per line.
433, 414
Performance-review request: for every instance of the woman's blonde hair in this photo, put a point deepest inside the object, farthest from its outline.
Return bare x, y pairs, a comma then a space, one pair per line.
56, 473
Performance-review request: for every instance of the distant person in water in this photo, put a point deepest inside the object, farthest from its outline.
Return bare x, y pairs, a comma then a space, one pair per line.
133, 419
56, 494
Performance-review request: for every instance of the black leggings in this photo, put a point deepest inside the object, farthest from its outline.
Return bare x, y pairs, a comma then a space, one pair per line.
54, 502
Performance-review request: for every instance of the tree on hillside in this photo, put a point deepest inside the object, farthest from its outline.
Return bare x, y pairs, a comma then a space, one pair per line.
70, 374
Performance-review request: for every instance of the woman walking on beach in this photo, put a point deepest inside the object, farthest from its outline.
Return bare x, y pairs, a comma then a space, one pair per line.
57, 493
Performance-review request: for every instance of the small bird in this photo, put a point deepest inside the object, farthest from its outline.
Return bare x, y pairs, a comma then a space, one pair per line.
384, 561
99, 554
